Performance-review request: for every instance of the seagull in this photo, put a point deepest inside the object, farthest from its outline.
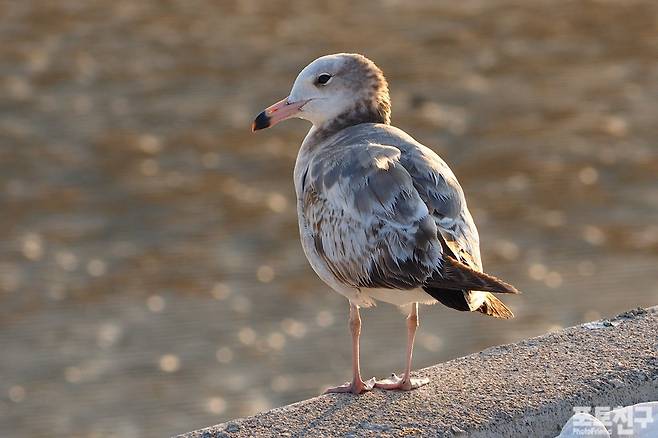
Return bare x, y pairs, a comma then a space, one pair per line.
381, 216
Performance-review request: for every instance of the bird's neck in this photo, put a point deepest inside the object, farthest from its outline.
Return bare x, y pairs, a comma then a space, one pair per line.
362, 112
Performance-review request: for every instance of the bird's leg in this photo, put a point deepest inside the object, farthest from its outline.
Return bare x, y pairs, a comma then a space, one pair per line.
357, 385
406, 382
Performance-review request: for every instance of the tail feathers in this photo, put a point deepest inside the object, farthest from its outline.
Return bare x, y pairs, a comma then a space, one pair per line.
492, 306
467, 300
457, 276
455, 299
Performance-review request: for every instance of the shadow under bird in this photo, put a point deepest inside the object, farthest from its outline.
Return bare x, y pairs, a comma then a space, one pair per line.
381, 217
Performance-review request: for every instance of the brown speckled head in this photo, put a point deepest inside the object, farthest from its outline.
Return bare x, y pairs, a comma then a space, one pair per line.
334, 92
369, 86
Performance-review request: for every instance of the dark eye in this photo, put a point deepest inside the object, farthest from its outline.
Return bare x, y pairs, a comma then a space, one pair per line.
324, 78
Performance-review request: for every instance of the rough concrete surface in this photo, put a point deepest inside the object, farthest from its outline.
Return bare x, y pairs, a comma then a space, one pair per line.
524, 389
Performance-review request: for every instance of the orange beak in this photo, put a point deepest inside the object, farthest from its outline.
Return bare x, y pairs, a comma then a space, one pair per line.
276, 113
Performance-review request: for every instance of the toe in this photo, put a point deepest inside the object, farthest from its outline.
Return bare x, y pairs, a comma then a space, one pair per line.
356, 387
401, 383
346, 387
369, 384
417, 383
360, 386
392, 382
409, 384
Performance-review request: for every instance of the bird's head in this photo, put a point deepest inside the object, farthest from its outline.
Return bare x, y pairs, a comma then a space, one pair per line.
343, 89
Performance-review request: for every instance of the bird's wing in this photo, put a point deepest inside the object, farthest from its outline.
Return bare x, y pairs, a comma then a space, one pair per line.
368, 221
440, 191
392, 217
461, 282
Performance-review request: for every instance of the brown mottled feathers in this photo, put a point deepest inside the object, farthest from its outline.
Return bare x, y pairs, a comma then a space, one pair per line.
367, 81
458, 296
457, 276
492, 306
382, 211
454, 289
464, 299
396, 219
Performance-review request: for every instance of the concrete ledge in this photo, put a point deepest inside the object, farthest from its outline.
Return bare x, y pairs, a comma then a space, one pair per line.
523, 389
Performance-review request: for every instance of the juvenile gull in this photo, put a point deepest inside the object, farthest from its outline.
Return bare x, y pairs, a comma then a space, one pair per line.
381, 217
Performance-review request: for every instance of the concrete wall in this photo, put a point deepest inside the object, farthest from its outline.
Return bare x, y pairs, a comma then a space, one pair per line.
526, 389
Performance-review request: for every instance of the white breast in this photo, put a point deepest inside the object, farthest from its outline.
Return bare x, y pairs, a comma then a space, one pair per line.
400, 297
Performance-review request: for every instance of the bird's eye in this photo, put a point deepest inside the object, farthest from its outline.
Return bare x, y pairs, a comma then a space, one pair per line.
324, 78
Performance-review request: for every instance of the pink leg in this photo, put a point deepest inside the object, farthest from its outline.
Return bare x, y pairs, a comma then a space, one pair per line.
405, 382
357, 385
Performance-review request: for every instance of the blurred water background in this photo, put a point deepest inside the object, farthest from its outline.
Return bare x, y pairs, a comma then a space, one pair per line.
151, 278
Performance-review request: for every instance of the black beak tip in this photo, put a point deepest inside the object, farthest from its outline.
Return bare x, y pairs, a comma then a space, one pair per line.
261, 122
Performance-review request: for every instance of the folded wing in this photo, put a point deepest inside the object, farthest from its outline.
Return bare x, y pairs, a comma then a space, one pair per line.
370, 226
460, 284
395, 217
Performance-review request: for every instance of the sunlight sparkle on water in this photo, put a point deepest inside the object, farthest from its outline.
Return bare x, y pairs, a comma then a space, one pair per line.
17, 393
588, 175
108, 334
96, 267
224, 355
537, 271
33, 246
67, 260
293, 328
553, 279
155, 303
169, 363
149, 144
277, 202
594, 235
324, 318
276, 341
241, 304
216, 405
247, 336
265, 274
220, 291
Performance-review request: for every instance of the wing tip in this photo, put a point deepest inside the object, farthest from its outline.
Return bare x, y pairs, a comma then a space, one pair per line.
469, 278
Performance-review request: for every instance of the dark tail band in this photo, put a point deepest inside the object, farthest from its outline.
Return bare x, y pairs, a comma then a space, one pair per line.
457, 276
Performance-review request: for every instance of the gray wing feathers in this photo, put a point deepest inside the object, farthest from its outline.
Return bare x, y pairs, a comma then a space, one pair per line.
444, 197
374, 194
363, 206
